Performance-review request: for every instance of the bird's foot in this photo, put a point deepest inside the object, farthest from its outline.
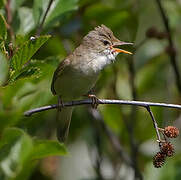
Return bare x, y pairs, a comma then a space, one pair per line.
60, 103
95, 100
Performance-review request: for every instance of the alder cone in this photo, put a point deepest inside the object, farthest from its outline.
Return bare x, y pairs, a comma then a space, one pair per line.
159, 160
171, 132
167, 148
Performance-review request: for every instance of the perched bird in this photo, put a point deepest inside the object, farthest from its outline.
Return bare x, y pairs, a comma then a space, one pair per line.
77, 74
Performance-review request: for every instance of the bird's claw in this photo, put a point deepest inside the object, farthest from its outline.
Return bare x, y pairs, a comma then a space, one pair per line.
95, 100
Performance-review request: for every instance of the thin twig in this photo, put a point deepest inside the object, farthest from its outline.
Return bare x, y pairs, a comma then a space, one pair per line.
102, 101
172, 55
154, 123
9, 19
39, 29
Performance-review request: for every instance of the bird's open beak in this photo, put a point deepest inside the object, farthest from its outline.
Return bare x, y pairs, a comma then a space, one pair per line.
120, 43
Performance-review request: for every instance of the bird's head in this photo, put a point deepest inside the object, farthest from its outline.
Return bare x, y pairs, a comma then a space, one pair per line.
102, 40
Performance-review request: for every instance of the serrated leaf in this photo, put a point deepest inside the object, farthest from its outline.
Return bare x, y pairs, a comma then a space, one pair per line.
29, 72
45, 148
20, 39
24, 54
32, 69
59, 8
3, 30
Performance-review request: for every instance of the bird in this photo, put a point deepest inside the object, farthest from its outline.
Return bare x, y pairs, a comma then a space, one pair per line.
77, 74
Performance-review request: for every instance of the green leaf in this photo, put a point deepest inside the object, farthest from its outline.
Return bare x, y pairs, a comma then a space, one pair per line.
25, 25
60, 7
39, 8
3, 68
15, 4
18, 3
10, 135
19, 40
3, 31
1, 3
24, 54
17, 146
36, 68
45, 148
112, 17
30, 70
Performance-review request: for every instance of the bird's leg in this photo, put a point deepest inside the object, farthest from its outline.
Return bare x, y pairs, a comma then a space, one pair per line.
95, 100
60, 103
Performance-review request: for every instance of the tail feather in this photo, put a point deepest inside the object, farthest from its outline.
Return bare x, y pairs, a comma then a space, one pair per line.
63, 123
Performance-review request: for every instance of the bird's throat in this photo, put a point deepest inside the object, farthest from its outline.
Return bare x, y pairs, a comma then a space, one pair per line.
102, 60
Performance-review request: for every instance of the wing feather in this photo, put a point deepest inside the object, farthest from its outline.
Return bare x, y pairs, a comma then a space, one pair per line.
58, 72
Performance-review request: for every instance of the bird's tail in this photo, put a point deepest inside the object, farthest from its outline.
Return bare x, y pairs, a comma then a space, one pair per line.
63, 123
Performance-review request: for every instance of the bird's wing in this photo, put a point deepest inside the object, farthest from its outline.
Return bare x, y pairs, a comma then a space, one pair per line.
57, 73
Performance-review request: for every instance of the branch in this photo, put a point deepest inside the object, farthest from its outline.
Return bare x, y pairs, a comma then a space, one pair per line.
154, 123
9, 19
101, 101
171, 50
39, 30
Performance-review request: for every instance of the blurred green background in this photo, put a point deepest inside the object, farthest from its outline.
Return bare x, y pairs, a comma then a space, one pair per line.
28, 145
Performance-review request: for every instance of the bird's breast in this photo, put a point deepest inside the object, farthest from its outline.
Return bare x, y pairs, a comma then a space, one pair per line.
73, 83
80, 77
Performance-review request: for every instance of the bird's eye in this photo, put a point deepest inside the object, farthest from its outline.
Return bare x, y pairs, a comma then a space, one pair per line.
106, 42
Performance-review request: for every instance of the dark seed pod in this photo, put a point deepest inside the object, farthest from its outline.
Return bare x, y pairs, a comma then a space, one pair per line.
167, 148
151, 32
171, 132
159, 160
